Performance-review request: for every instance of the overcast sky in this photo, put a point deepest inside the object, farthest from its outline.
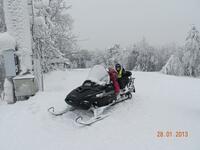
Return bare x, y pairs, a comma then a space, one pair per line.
102, 23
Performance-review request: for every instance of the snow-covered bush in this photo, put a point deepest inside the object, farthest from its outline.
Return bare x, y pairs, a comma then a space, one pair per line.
173, 66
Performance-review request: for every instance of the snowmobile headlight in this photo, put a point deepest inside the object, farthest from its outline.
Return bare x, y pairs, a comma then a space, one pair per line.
100, 95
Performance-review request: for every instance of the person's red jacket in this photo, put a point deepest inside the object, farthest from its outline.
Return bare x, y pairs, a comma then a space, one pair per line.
113, 77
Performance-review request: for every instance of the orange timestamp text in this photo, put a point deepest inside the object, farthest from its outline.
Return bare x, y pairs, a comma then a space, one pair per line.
169, 134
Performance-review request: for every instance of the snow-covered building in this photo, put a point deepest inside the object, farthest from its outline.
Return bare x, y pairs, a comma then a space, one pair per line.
18, 25
19, 16
7, 49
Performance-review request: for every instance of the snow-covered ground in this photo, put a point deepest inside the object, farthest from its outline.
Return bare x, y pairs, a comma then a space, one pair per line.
161, 103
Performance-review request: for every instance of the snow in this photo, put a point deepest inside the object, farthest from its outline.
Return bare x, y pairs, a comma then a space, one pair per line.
27, 76
6, 42
8, 91
161, 103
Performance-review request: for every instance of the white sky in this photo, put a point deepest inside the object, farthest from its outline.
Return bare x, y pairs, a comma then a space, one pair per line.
102, 23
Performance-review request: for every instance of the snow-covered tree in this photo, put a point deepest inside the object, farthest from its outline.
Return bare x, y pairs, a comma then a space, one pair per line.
98, 57
44, 48
191, 58
165, 52
113, 55
52, 33
144, 57
132, 57
81, 59
146, 60
61, 33
173, 66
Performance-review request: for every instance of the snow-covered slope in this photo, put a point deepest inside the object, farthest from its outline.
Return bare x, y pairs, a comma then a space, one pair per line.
162, 103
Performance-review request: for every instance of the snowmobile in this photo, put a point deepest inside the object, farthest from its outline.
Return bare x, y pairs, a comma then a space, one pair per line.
96, 94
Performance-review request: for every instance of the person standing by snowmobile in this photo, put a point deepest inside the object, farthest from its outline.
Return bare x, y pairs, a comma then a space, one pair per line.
113, 77
122, 76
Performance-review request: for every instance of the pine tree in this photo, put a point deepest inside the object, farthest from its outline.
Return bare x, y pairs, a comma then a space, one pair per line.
191, 56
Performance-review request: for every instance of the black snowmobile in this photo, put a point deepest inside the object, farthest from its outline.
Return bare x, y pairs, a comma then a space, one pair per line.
96, 94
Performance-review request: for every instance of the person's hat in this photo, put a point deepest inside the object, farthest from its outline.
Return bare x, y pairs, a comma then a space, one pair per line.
117, 66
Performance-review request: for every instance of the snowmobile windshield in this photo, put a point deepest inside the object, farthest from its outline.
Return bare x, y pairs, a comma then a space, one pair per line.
99, 75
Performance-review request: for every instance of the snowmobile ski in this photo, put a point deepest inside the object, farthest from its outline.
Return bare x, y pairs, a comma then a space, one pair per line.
99, 117
89, 122
51, 110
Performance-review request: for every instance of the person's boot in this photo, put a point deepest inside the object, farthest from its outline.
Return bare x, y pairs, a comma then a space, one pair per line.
118, 96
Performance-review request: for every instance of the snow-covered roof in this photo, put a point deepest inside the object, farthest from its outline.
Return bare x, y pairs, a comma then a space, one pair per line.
7, 41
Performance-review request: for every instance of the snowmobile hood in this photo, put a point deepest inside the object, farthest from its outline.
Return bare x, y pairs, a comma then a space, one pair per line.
99, 75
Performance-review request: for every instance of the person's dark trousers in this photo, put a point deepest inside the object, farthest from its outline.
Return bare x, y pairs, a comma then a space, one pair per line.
123, 82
